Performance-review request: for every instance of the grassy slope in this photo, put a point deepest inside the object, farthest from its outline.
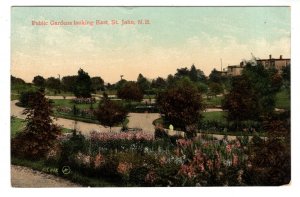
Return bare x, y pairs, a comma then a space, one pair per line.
283, 99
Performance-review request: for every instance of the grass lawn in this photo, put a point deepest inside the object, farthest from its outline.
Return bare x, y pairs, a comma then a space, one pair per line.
283, 100
214, 101
216, 116
18, 125
14, 97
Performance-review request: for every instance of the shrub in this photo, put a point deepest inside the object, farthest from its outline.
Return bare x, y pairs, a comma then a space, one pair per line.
40, 134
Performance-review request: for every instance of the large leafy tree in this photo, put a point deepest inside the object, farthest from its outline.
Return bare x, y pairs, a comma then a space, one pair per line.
242, 101
53, 84
181, 105
40, 132
110, 113
16, 81
68, 83
159, 83
39, 81
216, 88
83, 84
266, 83
131, 92
143, 83
97, 84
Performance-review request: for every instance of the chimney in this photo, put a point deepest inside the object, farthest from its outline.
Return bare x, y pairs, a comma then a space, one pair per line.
270, 56
280, 57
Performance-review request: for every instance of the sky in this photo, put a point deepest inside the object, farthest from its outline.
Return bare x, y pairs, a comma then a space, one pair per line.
176, 37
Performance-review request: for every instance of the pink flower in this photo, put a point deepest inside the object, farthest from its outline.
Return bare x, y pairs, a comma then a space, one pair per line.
235, 160
124, 167
99, 160
209, 164
184, 143
187, 170
228, 148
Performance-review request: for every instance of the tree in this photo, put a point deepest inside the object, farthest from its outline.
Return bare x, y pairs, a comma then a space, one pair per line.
68, 83
182, 72
83, 84
39, 81
143, 83
53, 84
170, 80
202, 87
215, 76
16, 81
110, 113
97, 84
120, 84
216, 88
159, 83
242, 102
193, 73
266, 83
130, 91
181, 105
40, 133
25, 97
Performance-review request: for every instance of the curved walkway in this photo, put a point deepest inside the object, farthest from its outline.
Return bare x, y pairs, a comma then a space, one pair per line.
138, 120
26, 177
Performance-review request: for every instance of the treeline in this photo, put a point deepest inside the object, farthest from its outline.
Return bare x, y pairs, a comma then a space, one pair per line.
211, 85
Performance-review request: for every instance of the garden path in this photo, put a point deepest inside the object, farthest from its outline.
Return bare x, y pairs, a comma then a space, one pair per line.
136, 120
26, 177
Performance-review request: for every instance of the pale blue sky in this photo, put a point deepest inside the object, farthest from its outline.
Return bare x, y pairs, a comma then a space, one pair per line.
177, 37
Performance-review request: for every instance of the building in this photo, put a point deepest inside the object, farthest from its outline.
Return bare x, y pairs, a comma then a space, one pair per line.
234, 70
274, 63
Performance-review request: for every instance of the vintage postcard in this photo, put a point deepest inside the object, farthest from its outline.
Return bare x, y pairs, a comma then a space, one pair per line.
150, 96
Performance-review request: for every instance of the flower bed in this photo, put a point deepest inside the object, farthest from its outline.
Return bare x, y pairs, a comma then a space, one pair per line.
84, 100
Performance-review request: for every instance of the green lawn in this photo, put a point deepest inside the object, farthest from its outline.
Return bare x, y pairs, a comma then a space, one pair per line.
14, 97
283, 99
216, 116
17, 125
213, 102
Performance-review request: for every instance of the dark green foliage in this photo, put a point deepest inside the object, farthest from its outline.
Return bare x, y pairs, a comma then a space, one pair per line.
194, 74
242, 101
181, 104
216, 88
68, 83
159, 83
265, 84
69, 148
110, 113
130, 91
39, 81
160, 133
97, 84
40, 133
15, 80
26, 97
143, 83
138, 175
53, 84
83, 85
